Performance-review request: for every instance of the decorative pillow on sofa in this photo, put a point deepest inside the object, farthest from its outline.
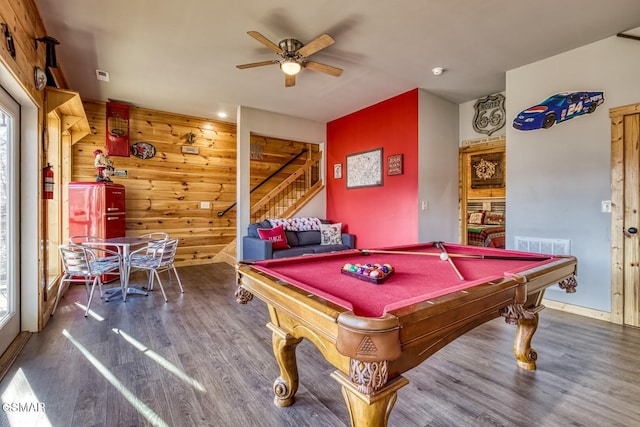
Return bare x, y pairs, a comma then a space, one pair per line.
331, 234
476, 217
275, 235
494, 218
296, 223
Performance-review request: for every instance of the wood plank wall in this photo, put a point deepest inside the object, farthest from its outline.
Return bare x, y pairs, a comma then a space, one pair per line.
164, 193
25, 25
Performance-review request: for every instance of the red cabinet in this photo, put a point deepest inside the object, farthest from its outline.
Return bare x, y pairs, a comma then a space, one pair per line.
96, 209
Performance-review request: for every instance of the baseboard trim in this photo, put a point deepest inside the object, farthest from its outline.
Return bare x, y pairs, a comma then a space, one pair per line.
12, 352
575, 309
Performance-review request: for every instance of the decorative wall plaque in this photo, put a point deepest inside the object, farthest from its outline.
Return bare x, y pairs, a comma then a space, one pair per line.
394, 165
143, 150
337, 171
187, 149
117, 129
489, 114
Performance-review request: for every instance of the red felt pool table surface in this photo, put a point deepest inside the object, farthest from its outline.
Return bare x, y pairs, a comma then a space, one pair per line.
417, 277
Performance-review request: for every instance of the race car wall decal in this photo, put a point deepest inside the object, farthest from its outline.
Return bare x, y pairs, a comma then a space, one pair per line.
558, 108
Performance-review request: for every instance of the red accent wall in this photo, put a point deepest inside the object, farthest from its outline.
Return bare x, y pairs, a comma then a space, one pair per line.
386, 215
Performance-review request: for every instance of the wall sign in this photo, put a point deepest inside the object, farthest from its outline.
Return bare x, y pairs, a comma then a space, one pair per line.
394, 165
188, 149
558, 108
337, 171
489, 114
143, 150
117, 129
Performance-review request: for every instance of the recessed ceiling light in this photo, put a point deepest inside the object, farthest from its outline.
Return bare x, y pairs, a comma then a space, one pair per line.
437, 71
222, 115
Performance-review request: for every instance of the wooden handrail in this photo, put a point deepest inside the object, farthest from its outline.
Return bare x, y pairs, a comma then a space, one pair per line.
233, 205
284, 184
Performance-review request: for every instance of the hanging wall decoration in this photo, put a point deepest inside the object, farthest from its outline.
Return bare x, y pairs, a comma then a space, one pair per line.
337, 171
365, 169
117, 129
394, 165
143, 150
489, 114
558, 108
40, 78
487, 170
11, 47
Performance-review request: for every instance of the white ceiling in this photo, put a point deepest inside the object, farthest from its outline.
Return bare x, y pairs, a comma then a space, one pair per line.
180, 56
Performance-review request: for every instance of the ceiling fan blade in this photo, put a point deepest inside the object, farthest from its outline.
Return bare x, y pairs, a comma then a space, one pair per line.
289, 80
315, 45
265, 41
257, 64
323, 68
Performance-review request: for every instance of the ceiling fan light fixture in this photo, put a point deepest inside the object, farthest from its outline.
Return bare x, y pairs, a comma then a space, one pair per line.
290, 67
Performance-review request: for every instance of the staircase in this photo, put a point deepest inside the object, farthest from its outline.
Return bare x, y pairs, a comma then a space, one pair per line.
284, 201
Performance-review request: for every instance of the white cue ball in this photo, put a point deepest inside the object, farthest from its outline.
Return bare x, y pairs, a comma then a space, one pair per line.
444, 256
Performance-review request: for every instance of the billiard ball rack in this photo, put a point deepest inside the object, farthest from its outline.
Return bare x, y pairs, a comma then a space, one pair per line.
365, 275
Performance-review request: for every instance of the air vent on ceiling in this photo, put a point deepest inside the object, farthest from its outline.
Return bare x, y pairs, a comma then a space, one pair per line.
102, 75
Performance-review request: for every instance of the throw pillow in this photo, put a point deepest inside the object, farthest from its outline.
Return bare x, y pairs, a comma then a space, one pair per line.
331, 234
476, 218
275, 235
494, 218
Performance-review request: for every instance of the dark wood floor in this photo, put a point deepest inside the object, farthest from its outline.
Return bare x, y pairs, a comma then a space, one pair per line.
203, 360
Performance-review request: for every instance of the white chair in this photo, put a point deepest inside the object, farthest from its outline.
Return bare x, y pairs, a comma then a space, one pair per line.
156, 235
93, 242
86, 264
156, 258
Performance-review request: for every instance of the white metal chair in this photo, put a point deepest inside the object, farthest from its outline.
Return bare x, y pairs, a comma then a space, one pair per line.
156, 235
156, 258
93, 242
86, 264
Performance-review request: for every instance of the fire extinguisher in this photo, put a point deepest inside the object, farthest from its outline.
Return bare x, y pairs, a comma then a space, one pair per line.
47, 176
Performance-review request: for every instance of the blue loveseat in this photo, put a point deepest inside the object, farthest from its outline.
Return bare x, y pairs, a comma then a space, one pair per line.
300, 243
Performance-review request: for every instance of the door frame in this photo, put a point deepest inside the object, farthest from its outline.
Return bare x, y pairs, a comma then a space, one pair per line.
10, 326
464, 156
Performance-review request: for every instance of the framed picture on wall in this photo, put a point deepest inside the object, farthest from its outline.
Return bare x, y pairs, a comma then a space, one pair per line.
394, 165
487, 170
337, 171
365, 169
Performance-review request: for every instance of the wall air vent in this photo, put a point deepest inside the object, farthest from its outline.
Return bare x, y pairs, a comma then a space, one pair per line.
544, 246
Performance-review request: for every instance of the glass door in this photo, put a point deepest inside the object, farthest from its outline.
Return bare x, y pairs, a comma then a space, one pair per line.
9, 249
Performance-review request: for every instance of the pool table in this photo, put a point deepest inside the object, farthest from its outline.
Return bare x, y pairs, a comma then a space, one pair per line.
373, 333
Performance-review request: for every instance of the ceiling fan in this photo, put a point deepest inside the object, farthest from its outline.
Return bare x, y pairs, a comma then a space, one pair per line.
295, 56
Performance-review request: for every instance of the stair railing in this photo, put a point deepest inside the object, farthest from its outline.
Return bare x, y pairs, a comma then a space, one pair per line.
280, 169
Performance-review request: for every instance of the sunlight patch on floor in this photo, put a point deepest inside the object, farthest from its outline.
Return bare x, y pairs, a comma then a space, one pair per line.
153, 418
160, 360
91, 312
20, 404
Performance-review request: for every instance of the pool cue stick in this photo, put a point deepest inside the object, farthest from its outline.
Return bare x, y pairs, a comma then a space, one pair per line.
504, 257
380, 251
444, 253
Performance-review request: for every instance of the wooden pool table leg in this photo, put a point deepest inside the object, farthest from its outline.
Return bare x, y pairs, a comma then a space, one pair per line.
525, 354
284, 350
369, 410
